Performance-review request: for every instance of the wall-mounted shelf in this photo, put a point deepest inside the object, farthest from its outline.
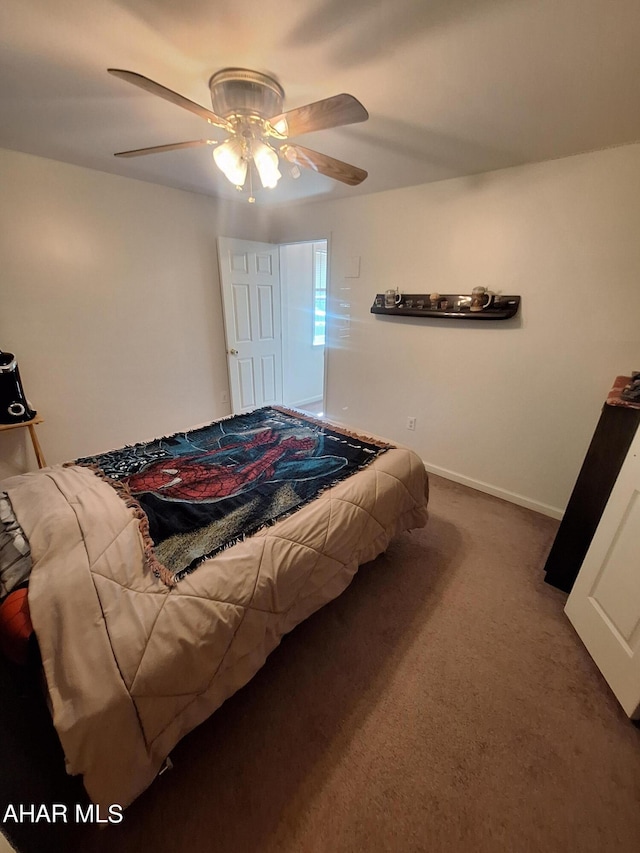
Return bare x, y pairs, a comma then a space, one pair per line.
457, 307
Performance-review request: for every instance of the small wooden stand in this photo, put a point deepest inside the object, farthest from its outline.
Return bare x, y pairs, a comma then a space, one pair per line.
34, 438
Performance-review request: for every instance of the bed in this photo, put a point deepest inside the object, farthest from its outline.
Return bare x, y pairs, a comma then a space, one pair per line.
136, 655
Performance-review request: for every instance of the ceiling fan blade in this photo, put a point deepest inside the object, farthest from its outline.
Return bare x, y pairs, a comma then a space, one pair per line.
331, 112
324, 164
171, 96
157, 149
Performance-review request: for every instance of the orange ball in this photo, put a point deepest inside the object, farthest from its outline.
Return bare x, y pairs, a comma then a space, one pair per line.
15, 626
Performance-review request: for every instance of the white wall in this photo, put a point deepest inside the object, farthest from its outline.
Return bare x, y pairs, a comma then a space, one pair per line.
303, 364
110, 298
508, 406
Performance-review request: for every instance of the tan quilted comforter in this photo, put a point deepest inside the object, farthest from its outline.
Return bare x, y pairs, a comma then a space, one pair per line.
131, 665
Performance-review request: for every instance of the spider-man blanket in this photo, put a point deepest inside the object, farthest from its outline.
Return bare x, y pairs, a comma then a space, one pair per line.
207, 489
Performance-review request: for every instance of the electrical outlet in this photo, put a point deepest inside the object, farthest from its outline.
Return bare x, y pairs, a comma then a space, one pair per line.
224, 397
411, 423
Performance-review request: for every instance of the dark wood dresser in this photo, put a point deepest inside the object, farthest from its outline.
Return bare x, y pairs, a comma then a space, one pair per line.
607, 451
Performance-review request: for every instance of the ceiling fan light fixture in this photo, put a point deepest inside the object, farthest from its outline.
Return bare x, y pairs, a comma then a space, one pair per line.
248, 106
229, 158
266, 160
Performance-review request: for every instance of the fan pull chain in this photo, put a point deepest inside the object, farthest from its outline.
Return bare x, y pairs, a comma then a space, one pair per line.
251, 199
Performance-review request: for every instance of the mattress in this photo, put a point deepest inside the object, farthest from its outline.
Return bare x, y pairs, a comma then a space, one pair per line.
133, 664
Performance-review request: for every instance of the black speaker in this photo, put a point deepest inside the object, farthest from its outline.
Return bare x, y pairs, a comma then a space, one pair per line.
14, 406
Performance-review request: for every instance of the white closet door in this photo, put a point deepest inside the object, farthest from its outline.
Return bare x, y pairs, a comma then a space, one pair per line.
604, 605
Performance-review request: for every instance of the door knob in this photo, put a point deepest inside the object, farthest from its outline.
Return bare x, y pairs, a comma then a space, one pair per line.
233, 352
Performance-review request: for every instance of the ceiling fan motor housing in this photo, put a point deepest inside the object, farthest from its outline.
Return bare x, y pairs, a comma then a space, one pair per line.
242, 92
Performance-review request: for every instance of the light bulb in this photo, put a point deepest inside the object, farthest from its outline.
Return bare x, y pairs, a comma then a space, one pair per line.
281, 126
266, 161
231, 162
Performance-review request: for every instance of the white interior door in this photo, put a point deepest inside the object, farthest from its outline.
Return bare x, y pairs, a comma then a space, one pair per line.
604, 605
250, 280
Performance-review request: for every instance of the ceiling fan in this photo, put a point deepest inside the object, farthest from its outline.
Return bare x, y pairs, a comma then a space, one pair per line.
248, 106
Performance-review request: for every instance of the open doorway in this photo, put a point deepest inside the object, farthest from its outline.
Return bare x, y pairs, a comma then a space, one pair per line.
274, 301
303, 276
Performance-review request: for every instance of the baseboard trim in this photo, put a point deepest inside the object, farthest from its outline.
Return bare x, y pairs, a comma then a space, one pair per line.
504, 494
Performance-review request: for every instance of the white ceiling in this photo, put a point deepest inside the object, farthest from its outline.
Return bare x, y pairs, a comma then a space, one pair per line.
453, 87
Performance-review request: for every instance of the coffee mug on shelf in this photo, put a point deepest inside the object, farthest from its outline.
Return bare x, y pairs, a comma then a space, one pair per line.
392, 298
480, 299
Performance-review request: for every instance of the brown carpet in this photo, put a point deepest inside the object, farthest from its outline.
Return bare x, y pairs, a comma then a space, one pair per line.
442, 703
